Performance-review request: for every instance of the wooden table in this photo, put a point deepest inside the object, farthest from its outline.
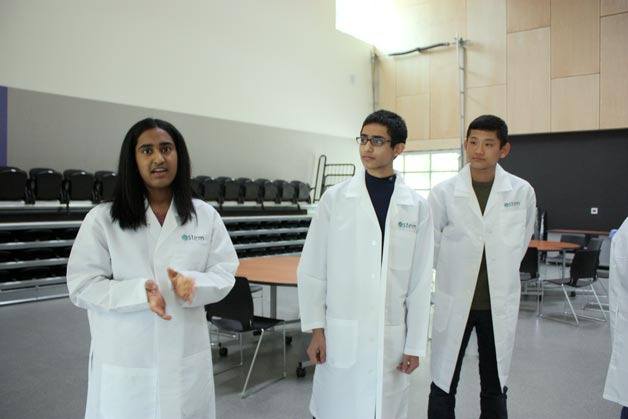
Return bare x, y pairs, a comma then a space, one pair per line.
552, 246
576, 231
275, 271
587, 233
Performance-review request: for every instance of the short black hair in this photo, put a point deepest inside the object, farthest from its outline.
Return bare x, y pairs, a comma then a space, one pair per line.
491, 123
128, 207
395, 125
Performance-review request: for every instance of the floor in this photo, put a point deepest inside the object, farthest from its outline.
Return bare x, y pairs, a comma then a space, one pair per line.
558, 370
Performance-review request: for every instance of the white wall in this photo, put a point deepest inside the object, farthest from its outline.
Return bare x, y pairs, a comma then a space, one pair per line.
277, 63
61, 132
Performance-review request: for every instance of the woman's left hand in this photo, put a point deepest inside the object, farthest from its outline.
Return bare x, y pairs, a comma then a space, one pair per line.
183, 286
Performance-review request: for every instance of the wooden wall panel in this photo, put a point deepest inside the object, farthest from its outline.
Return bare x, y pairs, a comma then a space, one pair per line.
425, 145
386, 83
486, 51
613, 70
524, 15
448, 19
611, 7
575, 37
414, 26
413, 75
576, 103
415, 110
486, 100
444, 98
529, 81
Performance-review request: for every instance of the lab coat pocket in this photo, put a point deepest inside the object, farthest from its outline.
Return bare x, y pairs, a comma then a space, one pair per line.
513, 227
341, 338
442, 311
128, 393
198, 387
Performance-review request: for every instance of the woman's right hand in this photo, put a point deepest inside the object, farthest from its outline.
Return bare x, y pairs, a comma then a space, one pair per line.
156, 301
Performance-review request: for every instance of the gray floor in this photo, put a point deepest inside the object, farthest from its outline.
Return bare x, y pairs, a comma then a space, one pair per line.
558, 370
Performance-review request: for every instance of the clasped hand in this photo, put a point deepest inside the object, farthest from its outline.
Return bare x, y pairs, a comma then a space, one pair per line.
184, 288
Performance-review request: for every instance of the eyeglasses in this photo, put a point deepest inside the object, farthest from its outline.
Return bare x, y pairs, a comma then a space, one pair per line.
375, 140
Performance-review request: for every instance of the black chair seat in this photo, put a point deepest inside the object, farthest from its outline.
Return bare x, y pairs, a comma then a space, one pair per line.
229, 325
264, 323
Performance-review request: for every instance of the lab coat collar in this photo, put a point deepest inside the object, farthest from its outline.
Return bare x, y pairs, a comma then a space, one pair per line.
402, 194
464, 187
161, 232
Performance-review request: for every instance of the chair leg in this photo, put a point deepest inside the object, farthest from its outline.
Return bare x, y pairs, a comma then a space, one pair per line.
603, 286
598, 302
248, 376
541, 298
573, 312
283, 345
241, 350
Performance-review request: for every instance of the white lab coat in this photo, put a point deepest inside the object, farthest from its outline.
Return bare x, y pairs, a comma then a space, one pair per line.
616, 388
141, 366
373, 308
461, 234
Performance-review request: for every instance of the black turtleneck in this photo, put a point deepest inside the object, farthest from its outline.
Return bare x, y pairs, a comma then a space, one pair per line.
380, 190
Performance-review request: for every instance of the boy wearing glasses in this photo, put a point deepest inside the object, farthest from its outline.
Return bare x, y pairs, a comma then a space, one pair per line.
364, 283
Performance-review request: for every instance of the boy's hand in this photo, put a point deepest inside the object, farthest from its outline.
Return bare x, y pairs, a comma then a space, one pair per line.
156, 301
317, 351
183, 286
408, 363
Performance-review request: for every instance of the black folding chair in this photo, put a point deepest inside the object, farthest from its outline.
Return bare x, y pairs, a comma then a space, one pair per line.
104, 185
13, 181
45, 184
580, 240
529, 272
78, 185
582, 274
234, 315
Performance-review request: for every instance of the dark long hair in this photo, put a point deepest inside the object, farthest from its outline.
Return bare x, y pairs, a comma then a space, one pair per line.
128, 206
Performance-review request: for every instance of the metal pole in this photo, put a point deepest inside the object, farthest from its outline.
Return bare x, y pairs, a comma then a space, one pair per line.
374, 80
460, 48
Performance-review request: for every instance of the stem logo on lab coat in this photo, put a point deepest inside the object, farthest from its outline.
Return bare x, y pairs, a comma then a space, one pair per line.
512, 204
406, 226
191, 237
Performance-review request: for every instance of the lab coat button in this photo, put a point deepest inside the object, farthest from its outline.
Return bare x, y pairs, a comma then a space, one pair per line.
374, 243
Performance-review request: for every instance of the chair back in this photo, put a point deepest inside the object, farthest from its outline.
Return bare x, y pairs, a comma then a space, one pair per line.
573, 238
530, 263
105, 184
236, 306
78, 185
595, 244
584, 265
13, 181
45, 184
198, 187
